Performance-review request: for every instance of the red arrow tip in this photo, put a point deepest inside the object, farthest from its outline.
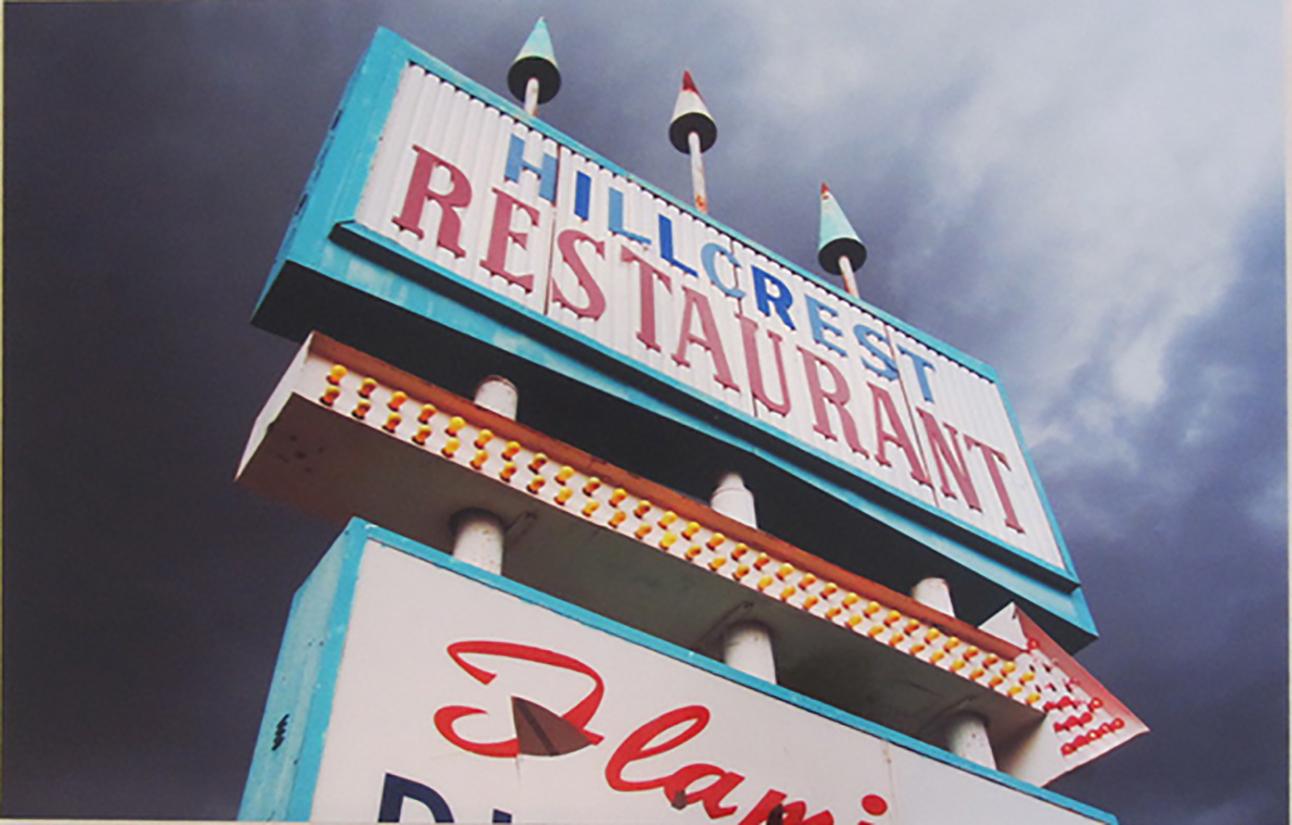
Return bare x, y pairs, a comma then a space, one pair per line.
825, 190
688, 83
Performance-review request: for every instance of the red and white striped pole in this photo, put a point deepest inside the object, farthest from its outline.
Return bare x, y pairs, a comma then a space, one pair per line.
693, 131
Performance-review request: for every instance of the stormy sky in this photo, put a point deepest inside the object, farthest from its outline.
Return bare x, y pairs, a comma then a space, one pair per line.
1087, 196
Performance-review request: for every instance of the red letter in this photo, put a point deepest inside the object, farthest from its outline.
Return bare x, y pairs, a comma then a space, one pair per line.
791, 814
596, 298
990, 455
837, 397
496, 259
710, 340
712, 794
646, 275
884, 408
419, 192
578, 716
941, 454
637, 746
749, 335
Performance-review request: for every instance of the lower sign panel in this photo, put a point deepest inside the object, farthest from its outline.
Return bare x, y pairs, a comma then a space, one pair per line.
411, 687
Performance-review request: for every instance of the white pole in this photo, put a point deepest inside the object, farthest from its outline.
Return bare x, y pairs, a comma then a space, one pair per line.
478, 539
478, 534
849, 278
499, 395
531, 97
967, 738
935, 593
966, 732
697, 172
747, 647
732, 498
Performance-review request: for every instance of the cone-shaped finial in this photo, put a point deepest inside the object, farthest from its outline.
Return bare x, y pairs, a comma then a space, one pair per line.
536, 59
838, 238
691, 115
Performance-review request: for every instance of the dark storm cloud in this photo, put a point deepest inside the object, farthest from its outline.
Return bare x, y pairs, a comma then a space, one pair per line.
1085, 197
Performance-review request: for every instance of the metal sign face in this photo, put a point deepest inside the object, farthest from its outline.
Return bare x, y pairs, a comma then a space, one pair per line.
449, 694
475, 191
438, 199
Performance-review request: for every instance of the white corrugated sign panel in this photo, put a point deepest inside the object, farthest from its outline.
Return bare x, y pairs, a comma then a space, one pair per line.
476, 191
424, 693
965, 411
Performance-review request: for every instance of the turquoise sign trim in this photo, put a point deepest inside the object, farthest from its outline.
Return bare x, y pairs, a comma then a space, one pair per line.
346, 555
326, 215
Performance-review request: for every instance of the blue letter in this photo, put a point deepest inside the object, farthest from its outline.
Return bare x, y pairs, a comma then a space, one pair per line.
396, 789
820, 326
921, 372
781, 300
863, 332
617, 218
666, 246
546, 176
582, 194
707, 254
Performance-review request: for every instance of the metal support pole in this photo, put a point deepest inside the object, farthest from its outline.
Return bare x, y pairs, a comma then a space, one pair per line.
697, 172
499, 395
935, 593
966, 732
849, 278
967, 738
747, 647
531, 97
732, 498
478, 539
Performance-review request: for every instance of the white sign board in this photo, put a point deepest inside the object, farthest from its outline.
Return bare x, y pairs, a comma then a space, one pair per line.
455, 695
465, 186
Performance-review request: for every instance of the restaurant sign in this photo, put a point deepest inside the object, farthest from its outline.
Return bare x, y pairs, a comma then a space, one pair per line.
493, 702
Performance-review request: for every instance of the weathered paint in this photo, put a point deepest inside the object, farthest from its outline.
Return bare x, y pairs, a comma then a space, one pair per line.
334, 192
